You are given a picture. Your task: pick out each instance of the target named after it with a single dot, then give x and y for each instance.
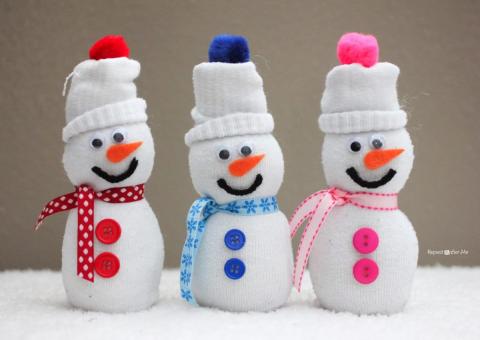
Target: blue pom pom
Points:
(226, 48)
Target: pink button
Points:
(365, 240)
(365, 271)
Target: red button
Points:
(365, 240)
(108, 231)
(365, 271)
(107, 264)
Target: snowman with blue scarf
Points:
(237, 254)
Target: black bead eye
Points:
(246, 150)
(224, 154)
(96, 143)
(355, 146)
(118, 136)
(377, 141)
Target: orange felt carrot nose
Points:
(378, 158)
(117, 153)
(241, 166)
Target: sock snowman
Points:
(361, 250)
(237, 255)
(112, 254)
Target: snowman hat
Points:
(102, 92)
(361, 94)
(229, 97)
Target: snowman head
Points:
(107, 141)
(377, 161)
(116, 156)
(239, 167)
(366, 146)
(232, 152)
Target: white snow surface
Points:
(445, 304)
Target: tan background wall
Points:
(436, 44)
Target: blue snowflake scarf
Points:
(198, 215)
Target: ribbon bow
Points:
(316, 208)
(198, 215)
(84, 198)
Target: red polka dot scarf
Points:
(84, 198)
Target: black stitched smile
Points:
(117, 178)
(370, 184)
(240, 192)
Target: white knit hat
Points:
(102, 92)
(229, 97)
(361, 94)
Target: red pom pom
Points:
(111, 46)
(357, 48)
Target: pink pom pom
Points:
(357, 48)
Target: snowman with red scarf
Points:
(361, 250)
(112, 254)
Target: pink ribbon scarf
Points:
(316, 209)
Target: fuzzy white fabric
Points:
(229, 101)
(206, 167)
(333, 257)
(97, 83)
(231, 125)
(223, 88)
(126, 112)
(358, 98)
(140, 251)
(267, 253)
(337, 158)
(444, 305)
(79, 156)
(359, 121)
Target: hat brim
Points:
(362, 121)
(120, 113)
(236, 124)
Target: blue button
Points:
(234, 239)
(234, 269)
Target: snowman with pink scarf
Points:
(360, 249)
